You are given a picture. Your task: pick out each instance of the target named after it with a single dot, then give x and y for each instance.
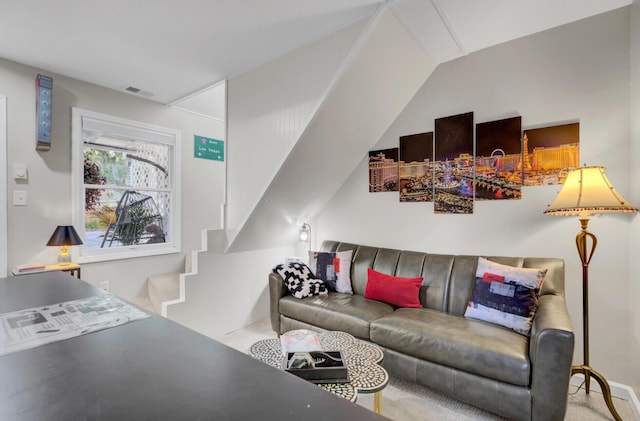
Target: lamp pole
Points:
(586, 253)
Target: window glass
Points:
(126, 199)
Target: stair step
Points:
(163, 287)
(144, 303)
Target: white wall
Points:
(383, 72)
(578, 71)
(3, 185)
(634, 194)
(49, 184)
(268, 108)
(229, 291)
(269, 112)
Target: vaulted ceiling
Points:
(170, 49)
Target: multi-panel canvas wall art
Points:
(498, 162)
(416, 168)
(453, 164)
(383, 170)
(550, 153)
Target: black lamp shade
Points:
(64, 235)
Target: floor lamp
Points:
(587, 191)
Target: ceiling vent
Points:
(138, 91)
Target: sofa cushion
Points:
(402, 292)
(334, 268)
(468, 345)
(505, 295)
(336, 311)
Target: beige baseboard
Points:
(618, 390)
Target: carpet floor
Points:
(405, 401)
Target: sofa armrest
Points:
(277, 290)
(551, 353)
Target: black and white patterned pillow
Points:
(300, 280)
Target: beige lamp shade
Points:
(587, 191)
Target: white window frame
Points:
(135, 130)
(3, 185)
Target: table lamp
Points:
(63, 237)
(587, 191)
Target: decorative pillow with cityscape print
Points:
(333, 268)
(505, 295)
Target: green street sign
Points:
(207, 148)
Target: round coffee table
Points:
(361, 358)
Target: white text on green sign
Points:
(208, 148)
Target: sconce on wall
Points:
(305, 233)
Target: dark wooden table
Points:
(151, 369)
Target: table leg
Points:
(377, 402)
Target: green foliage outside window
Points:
(113, 165)
(92, 175)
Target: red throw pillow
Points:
(401, 292)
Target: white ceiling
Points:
(173, 49)
(449, 29)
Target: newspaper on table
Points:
(29, 328)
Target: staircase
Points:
(162, 287)
(379, 74)
(144, 303)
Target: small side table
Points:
(72, 268)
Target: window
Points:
(124, 184)
(3, 185)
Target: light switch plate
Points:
(19, 198)
(19, 172)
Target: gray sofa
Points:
(524, 378)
